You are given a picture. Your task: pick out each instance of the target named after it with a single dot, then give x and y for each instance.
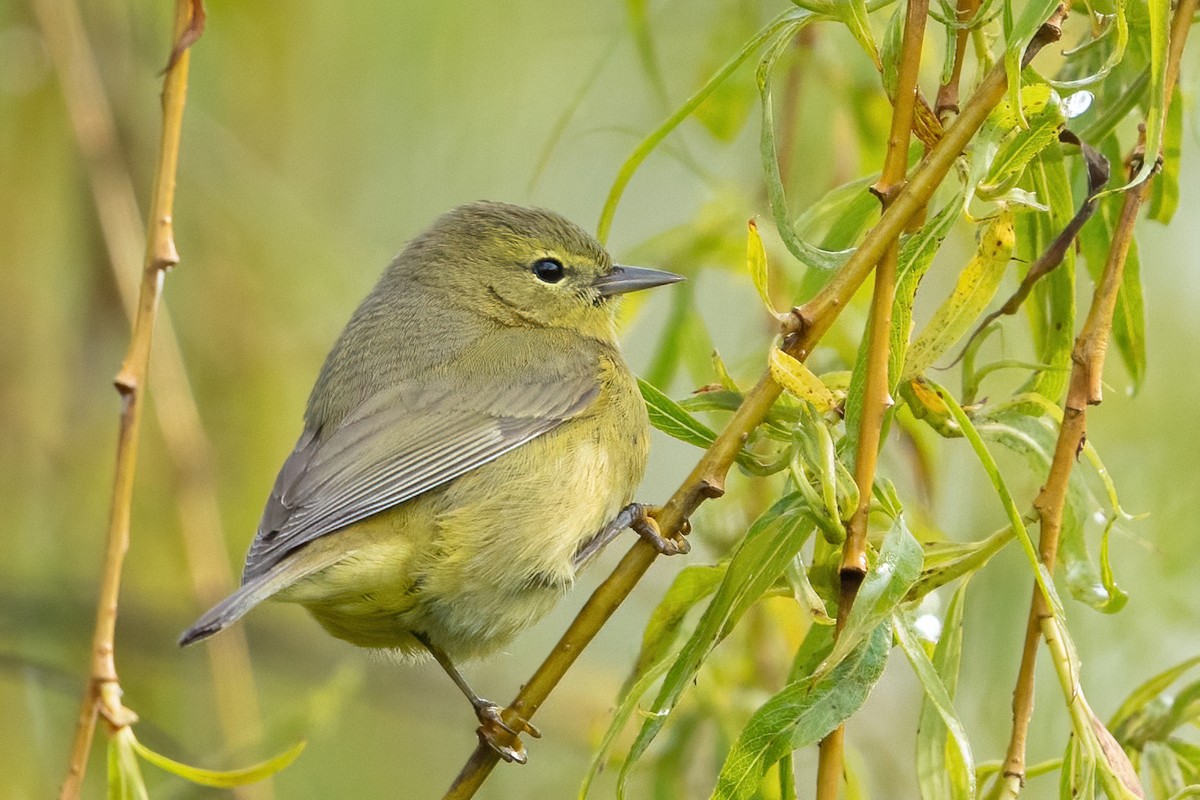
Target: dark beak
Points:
(633, 279)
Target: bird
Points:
(469, 436)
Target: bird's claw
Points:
(646, 526)
(502, 737)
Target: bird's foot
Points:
(502, 737)
(646, 526)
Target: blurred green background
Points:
(320, 137)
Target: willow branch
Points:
(102, 694)
(807, 325)
(876, 393)
(176, 413)
(1087, 360)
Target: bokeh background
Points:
(319, 137)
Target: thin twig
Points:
(807, 325)
(176, 412)
(1087, 359)
(102, 693)
(876, 393)
(947, 97)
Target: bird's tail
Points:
(254, 591)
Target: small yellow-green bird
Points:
(471, 433)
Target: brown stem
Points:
(808, 323)
(101, 695)
(947, 97)
(176, 413)
(1087, 359)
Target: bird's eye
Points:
(548, 270)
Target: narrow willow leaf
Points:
(976, 287)
(647, 145)
(1018, 33)
(1162, 767)
(853, 14)
(1159, 30)
(1045, 118)
(693, 584)
(221, 779)
(627, 704)
(808, 254)
(1164, 192)
(916, 256)
(761, 557)
(756, 262)
(1056, 291)
(1118, 596)
(803, 713)
(125, 780)
(806, 596)
(1045, 581)
(1118, 30)
(888, 580)
(798, 379)
(949, 561)
(945, 766)
(1029, 431)
(670, 418)
(1145, 694)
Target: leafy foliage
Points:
(1026, 190)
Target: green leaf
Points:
(670, 418)
(1045, 581)
(803, 713)
(691, 585)
(221, 779)
(889, 579)
(647, 145)
(949, 561)
(1159, 19)
(694, 583)
(916, 256)
(1164, 192)
(1056, 292)
(808, 254)
(945, 766)
(1045, 118)
(759, 560)
(125, 780)
(1145, 694)
(1030, 430)
(977, 285)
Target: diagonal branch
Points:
(102, 694)
(806, 327)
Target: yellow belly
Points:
(472, 563)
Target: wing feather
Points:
(398, 444)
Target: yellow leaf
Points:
(800, 381)
(756, 260)
(977, 285)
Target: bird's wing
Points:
(396, 445)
